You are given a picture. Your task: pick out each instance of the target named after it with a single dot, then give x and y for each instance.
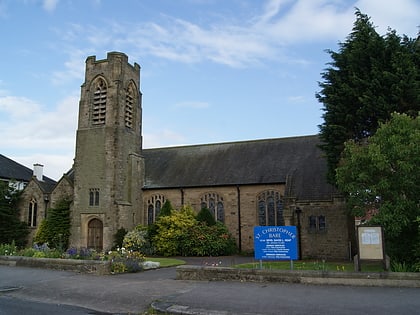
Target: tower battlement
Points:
(113, 57)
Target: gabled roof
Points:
(12, 170)
(46, 186)
(296, 161)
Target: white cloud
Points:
(248, 42)
(399, 16)
(296, 99)
(162, 138)
(28, 126)
(55, 165)
(49, 5)
(73, 68)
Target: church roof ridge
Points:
(231, 142)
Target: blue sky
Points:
(211, 70)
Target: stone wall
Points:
(33, 192)
(83, 266)
(382, 279)
(241, 215)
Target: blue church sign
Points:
(275, 243)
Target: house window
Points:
(215, 204)
(322, 225)
(99, 102)
(317, 223)
(312, 222)
(94, 197)
(154, 204)
(33, 209)
(270, 208)
(129, 102)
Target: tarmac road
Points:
(134, 293)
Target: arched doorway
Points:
(95, 234)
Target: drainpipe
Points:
(239, 219)
(298, 213)
(182, 196)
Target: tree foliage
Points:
(170, 230)
(204, 215)
(369, 78)
(11, 228)
(382, 174)
(181, 233)
(55, 229)
(166, 209)
(207, 240)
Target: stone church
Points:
(115, 183)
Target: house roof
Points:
(12, 170)
(297, 162)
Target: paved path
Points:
(134, 293)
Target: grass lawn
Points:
(166, 262)
(312, 265)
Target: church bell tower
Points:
(108, 167)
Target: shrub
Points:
(125, 261)
(166, 209)
(55, 229)
(204, 240)
(119, 238)
(8, 249)
(82, 253)
(204, 215)
(135, 240)
(171, 229)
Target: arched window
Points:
(270, 208)
(214, 203)
(154, 204)
(129, 106)
(99, 102)
(32, 213)
(94, 197)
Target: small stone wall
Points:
(83, 266)
(391, 279)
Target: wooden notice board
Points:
(370, 241)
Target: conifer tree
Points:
(369, 78)
(11, 228)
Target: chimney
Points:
(38, 170)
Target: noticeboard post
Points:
(371, 244)
(275, 243)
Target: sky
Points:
(211, 70)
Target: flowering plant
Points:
(123, 260)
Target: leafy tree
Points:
(382, 174)
(369, 78)
(204, 215)
(11, 228)
(55, 229)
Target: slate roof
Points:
(12, 170)
(296, 162)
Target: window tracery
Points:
(270, 208)
(215, 204)
(154, 204)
